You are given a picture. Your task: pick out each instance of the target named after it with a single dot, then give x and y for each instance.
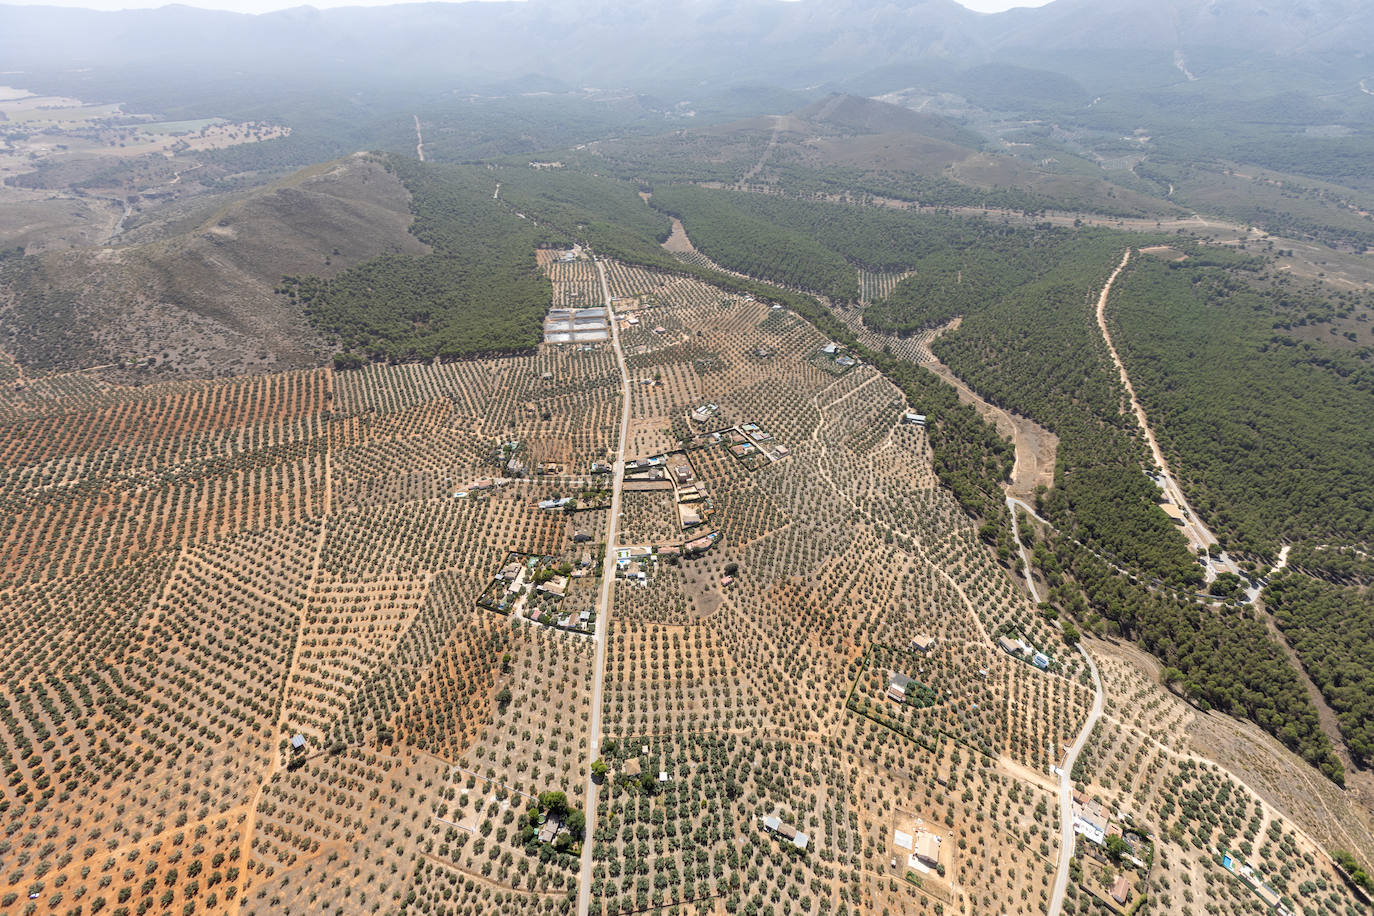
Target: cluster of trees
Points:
(1269, 435)
(479, 291)
(1352, 867)
(595, 208)
(1217, 660)
(1037, 352)
(931, 190)
(554, 805)
(817, 246)
(963, 264)
(1342, 564)
(734, 234)
(1332, 630)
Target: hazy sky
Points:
(263, 6)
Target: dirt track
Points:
(1199, 537)
(1036, 446)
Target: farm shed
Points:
(928, 848)
(1011, 646)
(786, 831)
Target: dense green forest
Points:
(1269, 435)
(1222, 659)
(817, 246)
(1350, 565)
(1036, 351)
(479, 292)
(1332, 630)
(725, 227)
(966, 264)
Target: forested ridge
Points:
(1037, 351)
(731, 229)
(1270, 436)
(1332, 630)
(605, 213)
(479, 292)
(1029, 343)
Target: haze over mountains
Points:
(710, 42)
(625, 456)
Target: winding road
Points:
(1066, 838)
(1012, 504)
(603, 609)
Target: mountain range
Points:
(577, 43)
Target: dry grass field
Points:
(200, 300)
(197, 576)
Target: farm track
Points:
(584, 880)
(1012, 504)
(1036, 447)
(969, 605)
(767, 151)
(274, 764)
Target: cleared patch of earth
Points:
(678, 242)
(1036, 446)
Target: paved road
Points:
(603, 610)
(1012, 504)
(1066, 837)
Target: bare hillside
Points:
(202, 302)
